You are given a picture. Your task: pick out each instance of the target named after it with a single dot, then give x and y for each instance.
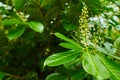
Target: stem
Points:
(15, 76)
(40, 10)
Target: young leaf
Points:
(70, 46)
(61, 58)
(55, 76)
(36, 26)
(61, 36)
(15, 33)
(113, 68)
(93, 66)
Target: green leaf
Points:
(94, 6)
(93, 66)
(15, 32)
(69, 27)
(103, 50)
(78, 75)
(45, 2)
(31, 75)
(70, 46)
(36, 26)
(18, 4)
(12, 21)
(109, 49)
(61, 36)
(113, 67)
(2, 9)
(55, 76)
(61, 58)
(72, 65)
(2, 75)
(117, 43)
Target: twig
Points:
(15, 76)
(40, 10)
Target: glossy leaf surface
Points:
(61, 58)
(15, 33)
(11, 22)
(55, 76)
(93, 66)
(70, 46)
(79, 74)
(113, 68)
(36, 26)
(61, 36)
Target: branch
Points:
(15, 76)
(40, 10)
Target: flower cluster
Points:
(82, 33)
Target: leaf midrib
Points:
(108, 67)
(93, 62)
(63, 57)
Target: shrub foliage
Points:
(59, 40)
